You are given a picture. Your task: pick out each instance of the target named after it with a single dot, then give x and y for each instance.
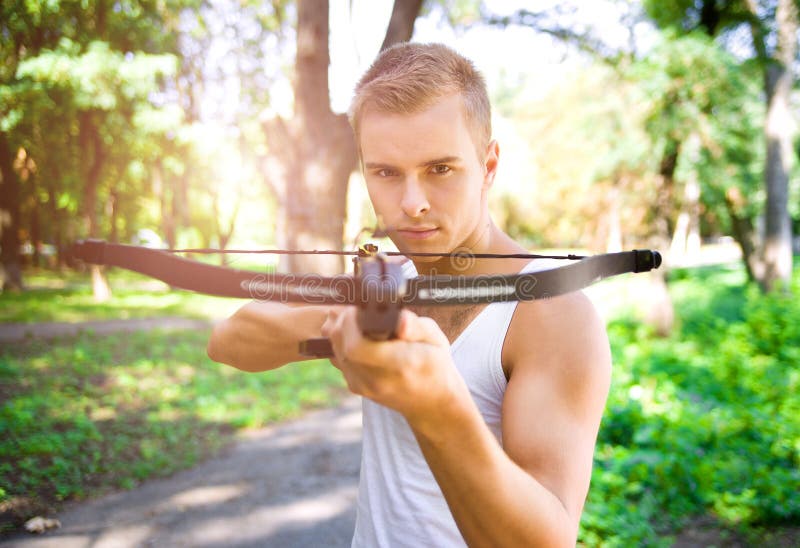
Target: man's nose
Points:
(414, 202)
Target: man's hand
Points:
(412, 374)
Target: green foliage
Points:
(458, 13)
(703, 100)
(667, 14)
(591, 155)
(99, 77)
(602, 141)
(91, 414)
(691, 15)
(75, 78)
(599, 155)
(704, 421)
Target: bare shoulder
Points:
(565, 333)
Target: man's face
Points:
(425, 178)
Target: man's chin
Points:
(419, 246)
(423, 259)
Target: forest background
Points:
(669, 125)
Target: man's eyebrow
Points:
(376, 165)
(442, 160)
(426, 163)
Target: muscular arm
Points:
(531, 492)
(264, 335)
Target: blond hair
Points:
(408, 78)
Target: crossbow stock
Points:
(378, 286)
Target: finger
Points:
(349, 341)
(348, 326)
(344, 333)
(330, 322)
(413, 328)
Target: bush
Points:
(705, 421)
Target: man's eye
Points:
(440, 169)
(384, 173)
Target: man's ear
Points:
(491, 160)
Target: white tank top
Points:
(399, 502)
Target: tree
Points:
(773, 28)
(312, 155)
(779, 131)
(10, 267)
(621, 169)
(86, 69)
(124, 87)
(232, 54)
(106, 91)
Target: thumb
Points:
(330, 322)
(413, 328)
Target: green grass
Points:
(83, 416)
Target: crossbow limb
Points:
(378, 287)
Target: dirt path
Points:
(291, 485)
(10, 332)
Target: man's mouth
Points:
(417, 233)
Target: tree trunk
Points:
(10, 266)
(313, 154)
(779, 134)
(744, 233)
(166, 204)
(224, 234)
(660, 313)
(614, 221)
(113, 203)
(685, 245)
(93, 157)
(36, 231)
(55, 228)
(323, 154)
(401, 24)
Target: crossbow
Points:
(378, 286)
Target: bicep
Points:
(555, 398)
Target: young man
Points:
(479, 421)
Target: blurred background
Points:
(221, 124)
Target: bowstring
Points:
(379, 231)
(210, 251)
